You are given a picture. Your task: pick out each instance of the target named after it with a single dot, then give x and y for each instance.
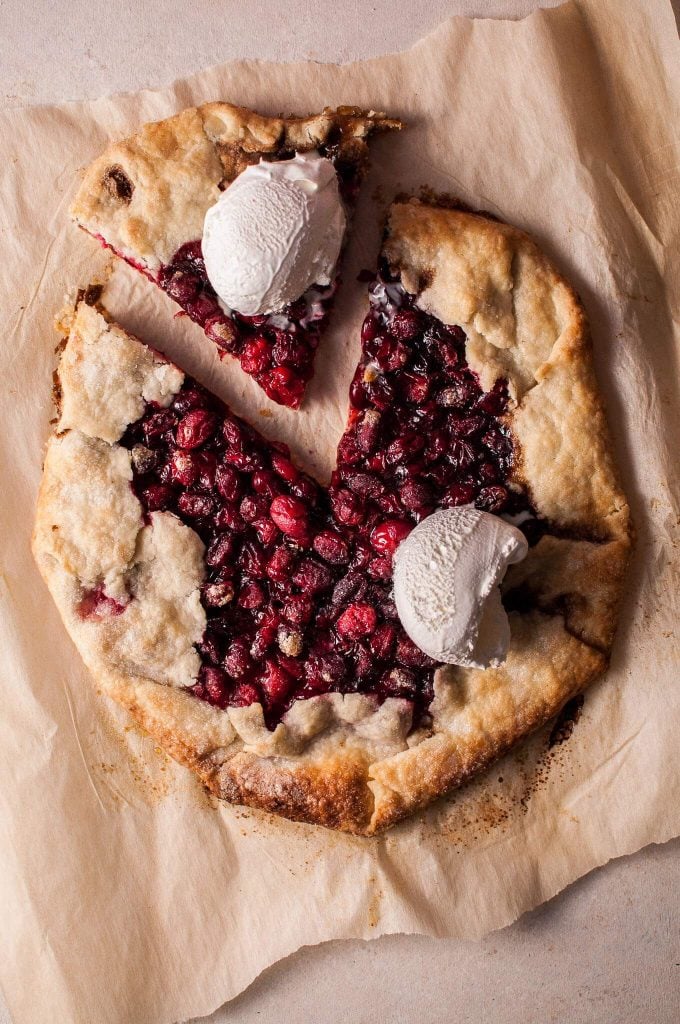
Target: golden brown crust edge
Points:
(147, 195)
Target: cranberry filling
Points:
(278, 349)
(299, 578)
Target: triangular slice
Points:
(147, 196)
(245, 615)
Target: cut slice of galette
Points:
(274, 240)
(245, 615)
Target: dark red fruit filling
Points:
(278, 349)
(299, 578)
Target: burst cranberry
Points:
(252, 596)
(252, 507)
(361, 555)
(190, 398)
(228, 517)
(289, 352)
(380, 568)
(215, 682)
(243, 695)
(492, 499)
(283, 385)
(463, 455)
(347, 507)
(298, 609)
(415, 496)
(415, 388)
(356, 621)
(264, 638)
(220, 550)
(242, 460)
(411, 655)
(331, 547)
(157, 425)
(311, 576)
(458, 494)
(252, 560)
(459, 394)
(368, 430)
(324, 669)
(256, 355)
(156, 497)
(291, 516)
(237, 660)
(402, 448)
(390, 355)
(405, 324)
(228, 482)
(276, 684)
(209, 649)
(280, 565)
(234, 435)
(382, 641)
(195, 505)
(195, 428)
(399, 682)
(348, 451)
(206, 464)
(467, 426)
(387, 536)
(266, 531)
(265, 482)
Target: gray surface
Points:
(608, 948)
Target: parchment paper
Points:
(129, 896)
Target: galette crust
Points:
(148, 194)
(342, 760)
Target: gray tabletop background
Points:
(605, 950)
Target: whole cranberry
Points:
(256, 355)
(387, 536)
(291, 516)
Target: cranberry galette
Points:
(147, 198)
(245, 615)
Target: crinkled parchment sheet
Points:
(127, 894)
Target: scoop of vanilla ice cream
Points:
(446, 577)
(274, 232)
